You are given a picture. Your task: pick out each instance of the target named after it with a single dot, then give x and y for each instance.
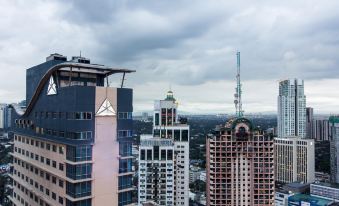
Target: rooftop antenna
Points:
(237, 96)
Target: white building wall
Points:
(294, 160)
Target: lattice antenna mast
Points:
(237, 95)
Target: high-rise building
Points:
(239, 165)
(167, 125)
(291, 108)
(294, 148)
(320, 129)
(2, 116)
(72, 144)
(334, 148)
(156, 171)
(294, 160)
(309, 122)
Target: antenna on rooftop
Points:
(237, 96)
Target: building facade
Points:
(308, 200)
(325, 190)
(291, 108)
(320, 129)
(294, 160)
(239, 165)
(167, 125)
(2, 116)
(334, 148)
(281, 198)
(309, 122)
(72, 144)
(156, 171)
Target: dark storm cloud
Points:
(185, 43)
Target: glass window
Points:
(177, 135)
(156, 119)
(156, 152)
(184, 136)
(169, 155)
(163, 154)
(81, 171)
(79, 189)
(149, 154)
(142, 154)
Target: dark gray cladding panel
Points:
(125, 100)
(68, 99)
(35, 74)
(125, 104)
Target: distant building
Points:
(2, 116)
(194, 174)
(334, 142)
(239, 165)
(145, 116)
(320, 129)
(202, 176)
(281, 198)
(294, 160)
(309, 122)
(308, 200)
(291, 108)
(325, 190)
(322, 177)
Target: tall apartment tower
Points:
(294, 148)
(72, 145)
(291, 108)
(167, 126)
(334, 148)
(239, 168)
(156, 171)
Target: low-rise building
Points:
(325, 190)
(308, 200)
(281, 198)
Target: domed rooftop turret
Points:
(170, 96)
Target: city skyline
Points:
(190, 48)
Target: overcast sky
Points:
(189, 46)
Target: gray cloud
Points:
(183, 43)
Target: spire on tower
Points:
(237, 95)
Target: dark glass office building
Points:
(73, 142)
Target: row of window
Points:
(125, 115)
(42, 159)
(29, 194)
(74, 115)
(34, 170)
(40, 144)
(155, 154)
(83, 135)
(125, 133)
(177, 135)
(64, 115)
(45, 175)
